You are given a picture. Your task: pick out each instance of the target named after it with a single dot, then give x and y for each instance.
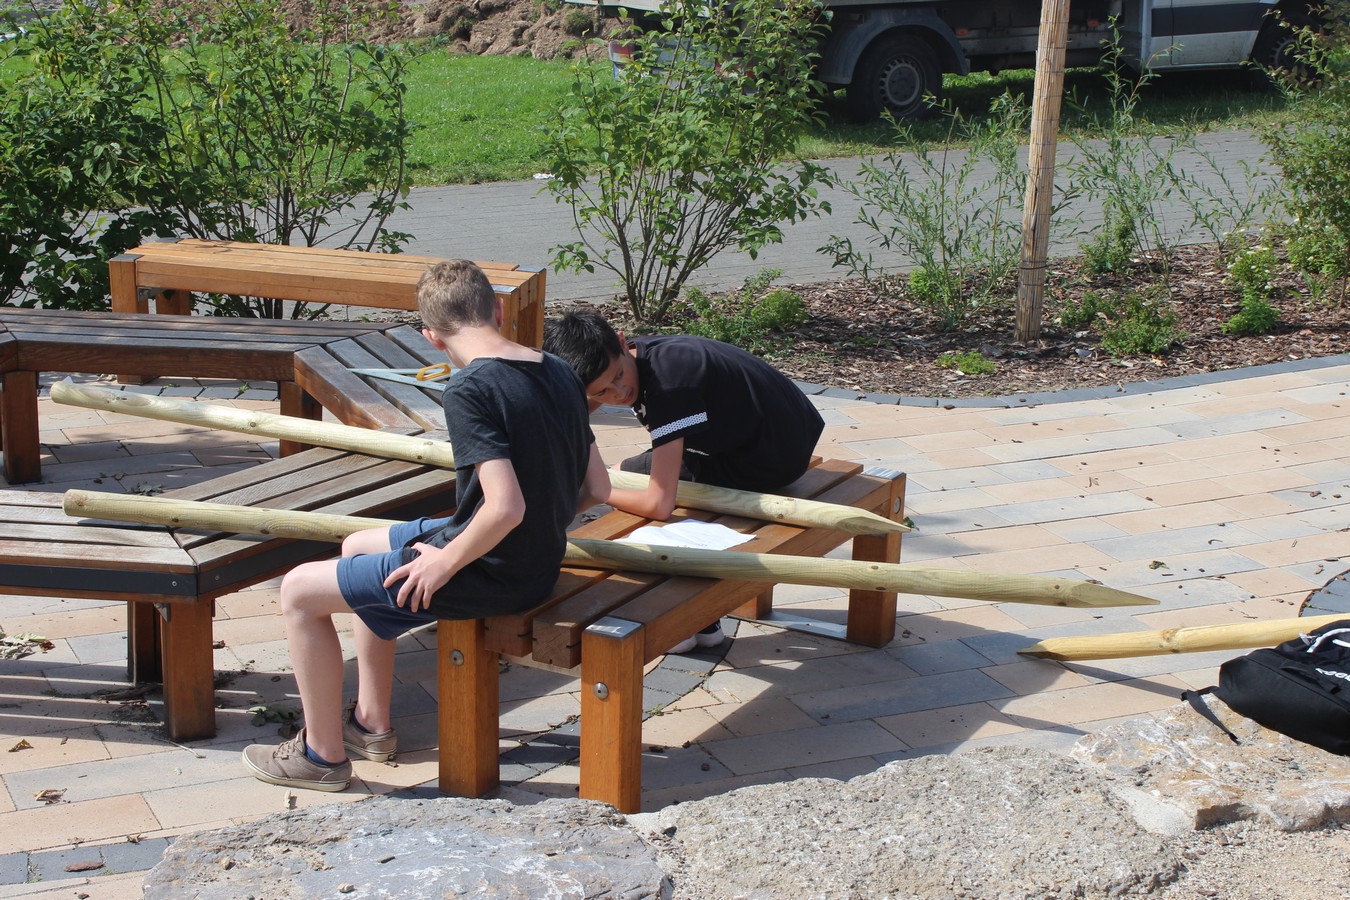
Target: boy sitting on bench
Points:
(717, 414)
(525, 462)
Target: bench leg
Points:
(19, 427)
(297, 403)
(757, 608)
(189, 671)
(611, 713)
(468, 687)
(871, 614)
(144, 662)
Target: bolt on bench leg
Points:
(469, 691)
(611, 713)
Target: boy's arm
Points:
(595, 487)
(503, 509)
(658, 500)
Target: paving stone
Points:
(825, 743)
(50, 865)
(1039, 512)
(934, 659)
(1235, 424)
(13, 868)
(138, 857)
(853, 702)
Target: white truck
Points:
(890, 56)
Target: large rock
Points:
(987, 824)
(1128, 813)
(1185, 763)
(416, 849)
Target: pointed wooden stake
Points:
(769, 568)
(1194, 639)
(767, 507)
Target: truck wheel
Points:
(1275, 48)
(899, 74)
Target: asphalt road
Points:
(519, 222)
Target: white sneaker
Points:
(685, 645)
(701, 639)
(711, 638)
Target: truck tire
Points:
(897, 73)
(1276, 46)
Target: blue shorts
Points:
(361, 580)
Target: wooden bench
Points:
(309, 361)
(608, 626)
(170, 577)
(170, 272)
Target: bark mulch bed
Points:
(861, 339)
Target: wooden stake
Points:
(1047, 98)
(768, 568)
(1194, 639)
(768, 507)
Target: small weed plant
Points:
(1139, 324)
(1130, 177)
(1252, 272)
(748, 317)
(1082, 315)
(967, 362)
(954, 214)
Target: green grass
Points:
(480, 117)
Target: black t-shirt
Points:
(534, 414)
(744, 423)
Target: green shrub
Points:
(1311, 146)
(952, 211)
(1140, 325)
(1081, 314)
(1112, 248)
(216, 121)
(746, 317)
(1257, 316)
(967, 362)
(577, 21)
(679, 159)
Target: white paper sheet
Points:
(688, 533)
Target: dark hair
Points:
(454, 293)
(584, 340)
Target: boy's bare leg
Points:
(310, 597)
(375, 678)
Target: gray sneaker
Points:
(376, 747)
(287, 765)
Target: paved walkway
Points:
(1224, 498)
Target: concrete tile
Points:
(764, 715)
(682, 727)
(1072, 706)
(938, 657)
(836, 770)
(44, 827)
(949, 725)
(1035, 675)
(824, 743)
(854, 702)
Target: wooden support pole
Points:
(768, 507)
(1047, 98)
(611, 714)
(1194, 639)
(468, 688)
(766, 568)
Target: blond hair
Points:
(455, 293)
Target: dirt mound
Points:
(543, 29)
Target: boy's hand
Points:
(423, 577)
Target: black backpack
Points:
(1300, 688)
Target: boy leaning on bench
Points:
(526, 462)
(717, 415)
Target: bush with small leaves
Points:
(1140, 325)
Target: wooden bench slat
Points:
(52, 553)
(347, 395)
(410, 399)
